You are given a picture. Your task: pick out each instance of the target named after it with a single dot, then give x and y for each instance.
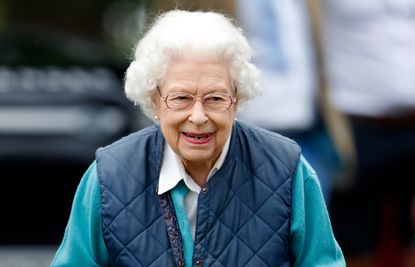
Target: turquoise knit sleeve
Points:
(313, 242)
(83, 243)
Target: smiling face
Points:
(196, 135)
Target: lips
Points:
(197, 138)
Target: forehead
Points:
(186, 74)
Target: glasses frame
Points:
(232, 98)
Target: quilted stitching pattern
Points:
(133, 200)
(241, 234)
(243, 219)
(250, 213)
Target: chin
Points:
(197, 157)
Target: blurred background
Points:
(61, 97)
(337, 78)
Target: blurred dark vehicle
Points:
(60, 99)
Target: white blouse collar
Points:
(172, 170)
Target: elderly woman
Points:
(198, 188)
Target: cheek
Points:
(225, 127)
(170, 126)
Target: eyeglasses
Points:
(212, 102)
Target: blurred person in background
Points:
(369, 56)
(289, 104)
(198, 188)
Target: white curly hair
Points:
(202, 35)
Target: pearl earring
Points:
(235, 119)
(156, 118)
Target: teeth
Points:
(197, 137)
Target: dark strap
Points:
(172, 228)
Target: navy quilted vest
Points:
(243, 217)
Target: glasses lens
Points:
(179, 101)
(217, 102)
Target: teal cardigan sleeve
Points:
(313, 242)
(83, 243)
(312, 239)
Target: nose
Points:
(197, 114)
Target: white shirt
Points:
(172, 172)
(370, 55)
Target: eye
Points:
(180, 98)
(215, 99)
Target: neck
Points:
(198, 171)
